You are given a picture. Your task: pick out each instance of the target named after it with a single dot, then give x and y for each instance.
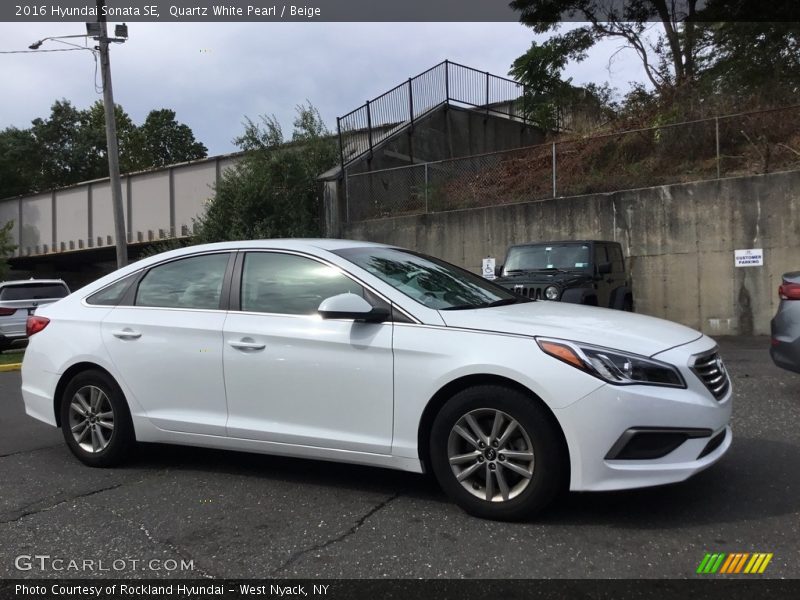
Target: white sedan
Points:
(371, 354)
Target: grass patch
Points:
(11, 356)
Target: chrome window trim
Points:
(415, 320)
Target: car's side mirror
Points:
(352, 306)
(604, 268)
(498, 270)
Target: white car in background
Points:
(371, 354)
(20, 298)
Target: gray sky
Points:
(215, 74)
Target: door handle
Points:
(126, 334)
(246, 344)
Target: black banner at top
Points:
(174, 11)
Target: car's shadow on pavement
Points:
(756, 479)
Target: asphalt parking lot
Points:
(241, 516)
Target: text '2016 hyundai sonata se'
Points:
(371, 354)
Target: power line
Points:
(53, 50)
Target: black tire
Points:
(122, 438)
(550, 463)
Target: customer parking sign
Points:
(752, 257)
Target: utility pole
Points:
(120, 234)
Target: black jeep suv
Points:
(583, 272)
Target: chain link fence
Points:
(741, 144)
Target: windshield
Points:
(547, 256)
(430, 281)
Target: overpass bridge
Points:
(72, 228)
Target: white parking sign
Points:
(752, 257)
(488, 268)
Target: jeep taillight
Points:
(35, 324)
(789, 291)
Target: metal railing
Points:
(367, 126)
(722, 146)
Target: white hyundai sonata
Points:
(372, 354)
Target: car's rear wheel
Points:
(95, 420)
(497, 453)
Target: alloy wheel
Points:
(91, 419)
(491, 455)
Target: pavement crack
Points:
(31, 451)
(28, 513)
(352, 531)
(153, 540)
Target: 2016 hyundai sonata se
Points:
(371, 354)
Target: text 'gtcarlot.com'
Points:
(45, 562)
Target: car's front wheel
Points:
(95, 420)
(497, 453)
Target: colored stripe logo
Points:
(734, 563)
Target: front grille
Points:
(712, 372)
(529, 291)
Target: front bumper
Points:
(594, 425)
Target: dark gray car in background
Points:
(785, 348)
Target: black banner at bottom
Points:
(400, 589)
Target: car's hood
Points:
(599, 326)
(556, 277)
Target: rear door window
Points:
(194, 282)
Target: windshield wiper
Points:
(502, 302)
(505, 301)
(463, 306)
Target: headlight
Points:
(551, 292)
(612, 366)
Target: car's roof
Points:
(31, 281)
(285, 244)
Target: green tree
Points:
(92, 138)
(668, 59)
(164, 141)
(759, 60)
(6, 247)
(272, 191)
(685, 46)
(69, 146)
(546, 91)
(19, 162)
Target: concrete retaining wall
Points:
(679, 241)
